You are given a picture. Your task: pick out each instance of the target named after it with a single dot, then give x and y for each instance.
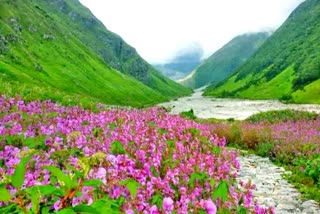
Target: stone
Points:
(48, 36)
(272, 189)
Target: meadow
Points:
(289, 138)
(67, 159)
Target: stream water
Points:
(220, 108)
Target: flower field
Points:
(70, 160)
(289, 138)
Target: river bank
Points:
(220, 108)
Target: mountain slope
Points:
(226, 60)
(59, 47)
(287, 66)
(183, 63)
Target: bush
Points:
(282, 116)
(188, 114)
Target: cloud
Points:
(159, 28)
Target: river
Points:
(221, 108)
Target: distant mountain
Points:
(185, 61)
(287, 66)
(59, 46)
(226, 60)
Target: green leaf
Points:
(75, 171)
(106, 206)
(202, 211)
(154, 171)
(117, 148)
(94, 183)
(193, 179)
(157, 200)
(9, 209)
(20, 172)
(4, 195)
(132, 186)
(31, 143)
(241, 210)
(35, 199)
(212, 183)
(196, 176)
(45, 210)
(67, 211)
(60, 175)
(85, 209)
(221, 191)
(112, 126)
(216, 150)
(50, 190)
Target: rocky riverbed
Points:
(206, 107)
(272, 189)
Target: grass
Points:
(276, 88)
(310, 93)
(188, 114)
(260, 88)
(230, 85)
(282, 116)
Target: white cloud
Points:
(159, 28)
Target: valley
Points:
(87, 125)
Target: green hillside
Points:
(226, 60)
(57, 49)
(287, 66)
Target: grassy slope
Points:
(111, 47)
(275, 88)
(61, 65)
(225, 61)
(310, 93)
(294, 46)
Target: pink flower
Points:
(129, 211)
(154, 210)
(167, 204)
(210, 207)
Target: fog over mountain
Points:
(183, 63)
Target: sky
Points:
(159, 29)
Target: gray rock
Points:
(15, 25)
(272, 189)
(48, 36)
(3, 44)
(310, 207)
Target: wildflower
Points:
(167, 204)
(210, 207)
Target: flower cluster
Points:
(154, 162)
(300, 139)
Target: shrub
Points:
(282, 116)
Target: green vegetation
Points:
(282, 116)
(59, 47)
(225, 61)
(188, 114)
(286, 66)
